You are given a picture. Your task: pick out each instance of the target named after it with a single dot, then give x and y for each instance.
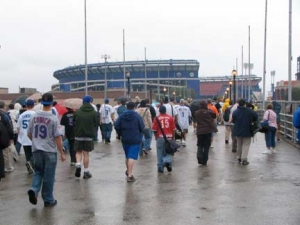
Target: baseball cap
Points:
(30, 102)
(87, 99)
(106, 101)
(47, 99)
(162, 109)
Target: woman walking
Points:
(270, 135)
(205, 126)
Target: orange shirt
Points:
(213, 108)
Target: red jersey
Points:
(167, 124)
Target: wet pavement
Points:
(267, 191)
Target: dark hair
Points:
(143, 103)
(166, 99)
(162, 109)
(11, 106)
(130, 105)
(242, 102)
(270, 106)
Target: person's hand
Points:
(63, 157)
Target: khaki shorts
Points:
(87, 146)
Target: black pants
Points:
(72, 150)
(203, 143)
(28, 153)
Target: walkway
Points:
(267, 191)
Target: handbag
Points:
(171, 146)
(265, 125)
(146, 131)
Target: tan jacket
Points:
(145, 116)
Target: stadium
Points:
(163, 77)
(178, 78)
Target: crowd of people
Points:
(135, 123)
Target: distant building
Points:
(163, 77)
(211, 87)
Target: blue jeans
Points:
(106, 131)
(270, 137)
(162, 158)
(147, 142)
(18, 147)
(44, 174)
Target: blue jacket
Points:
(129, 127)
(241, 118)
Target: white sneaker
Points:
(183, 143)
(9, 169)
(267, 152)
(273, 151)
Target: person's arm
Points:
(59, 145)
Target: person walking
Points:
(67, 120)
(23, 139)
(166, 123)
(106, 120)
(228, 125)
(86, 121)
(184, 113)
(270, 135)
(129, 127)
(145, 114)
(153, 115)
(44, 132)
(242, 117)
(205, 125)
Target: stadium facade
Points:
(163, 77)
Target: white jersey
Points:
(106, 112)
(183, 116)
(22, 126)
(171, 110)
(116, 110)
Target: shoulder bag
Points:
(265, 125)
(254, 125)
(170, 145)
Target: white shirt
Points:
(105, 113)
(116, 110)
(183, 116)
(171, 110)
(22, 126)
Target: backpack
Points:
(227, 114)
(296, 119)
(4, 136)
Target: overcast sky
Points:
(38, 37)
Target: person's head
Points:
(203, 104)
(29, 103)
(130, 105)
(87, 99)
(270, 106)
(123, 102)
(209, 101)
(162, 109)
(250, 105)
(24, 105)
(98, 106)
(171, 99)
(242, 102)
(106, 101)
(2, 104)
(166, 100)
(137, 99)
(147, 100)
(143, 104)
(47, 100)
(54, 103)
(181, 102)
(11, 106)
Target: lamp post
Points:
(234, 73)
(105, 78)
(128, 83)
(229, 94)
(230, 85)
(225, 93)
(85, 51)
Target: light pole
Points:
(229, 93)
(128, 83)
(225, 93)
(105, 78)
(230, 85)
(174, 95)
(234, 73)
(85, 51)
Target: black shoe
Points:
(87, 175)
(226, 142)
(233, 150)
(126, 173)
(239, 160)
(130, 179)
(107, 141)
(245, 162)
(78, 171)
(169, 167)
(47, 204)
(199, 161)
(32, 197)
